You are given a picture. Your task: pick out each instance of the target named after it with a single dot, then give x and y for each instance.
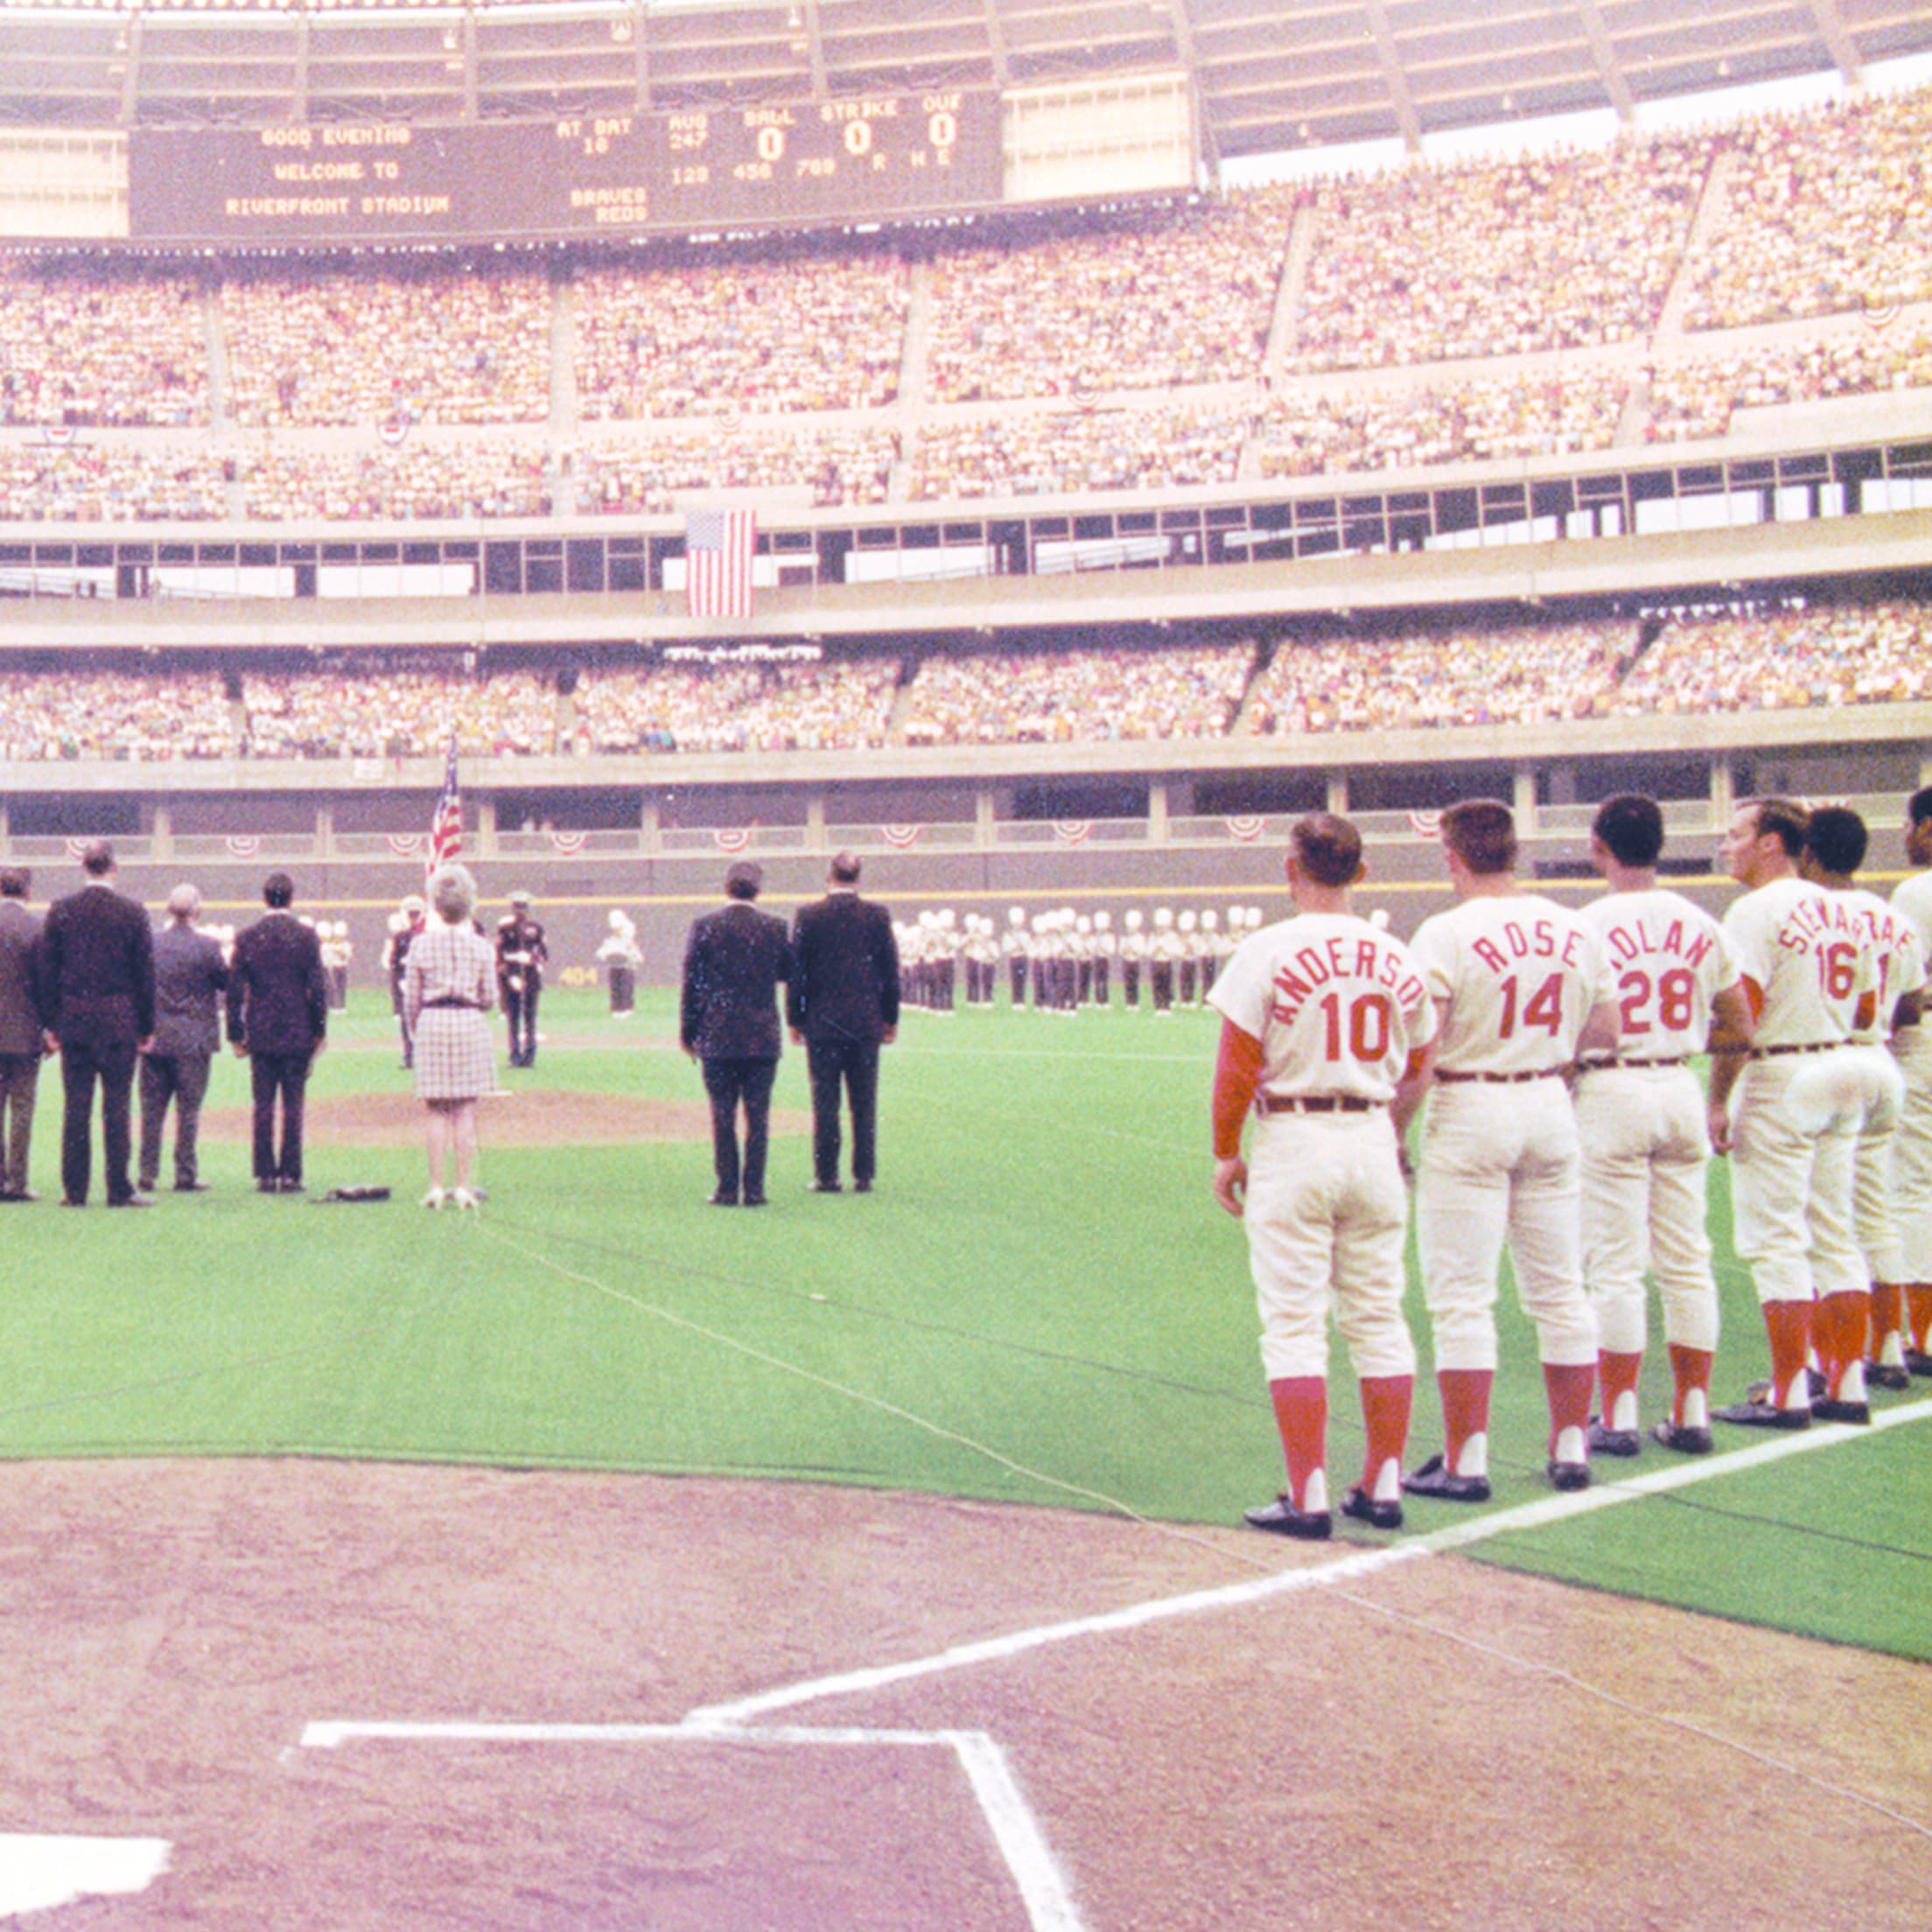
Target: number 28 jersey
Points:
(1670, 959)
(1337, 1004)
(1517, 975)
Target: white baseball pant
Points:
(1791, 1161)
(1645, 1150)
(1501, 1161)
(1326, 1214)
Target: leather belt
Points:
(1806, 1047)
(1606, 1065)
(1315, 1103)
(1451, 1076)
(468, 1004)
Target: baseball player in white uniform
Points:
(1912, 1152)
(1521, 983)
(1325, 1021)
(1807, 967)
(1835, 843)
(1641, 1117)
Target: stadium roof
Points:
(1272, 74)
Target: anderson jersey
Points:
(1808, 953)
(1337, 1004)
(1670, 959)
(1899, 961)
(1518, 975)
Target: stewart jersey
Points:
(1339, 1006)
(1670, 959)
(1807, 952)
(1517, 975)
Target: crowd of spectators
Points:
(1069, 451)
(99, 343)
(434, 342)
(1698, 397)
(1698, 661)
(833, 704)
(1830, 211)
(1486, 258)
(1577, 407)
(1455, 676)
(818, 331)
(836, 463)
(1124, 302)
(110, 483)
(417, 479)
(1784, 660)
(113, 714)
(1048, 697)
(398, 714)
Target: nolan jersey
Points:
(1337, 1004)
(1669, 958)
(1807, 952)
(1517, 976)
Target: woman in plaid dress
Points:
(449, 983)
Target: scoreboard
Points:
(580, 177)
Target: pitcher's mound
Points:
(533, 1118)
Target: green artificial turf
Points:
(1040, 1304)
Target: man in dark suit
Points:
(23, 1031)
(278, 1021)
(842, 1002)
(96, 980)
(734, 961)
(189, 974)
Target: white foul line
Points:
(1016, 1830)
(1529, 1516)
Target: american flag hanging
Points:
(446, 826)
(718, 561)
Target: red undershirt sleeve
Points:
(1237, 1073)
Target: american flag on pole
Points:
(446, 826)
(718, 561)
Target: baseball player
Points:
(1522, 984)
(1326, 1023)
(1835, 843)
(1641, 1120)
(1807, 967)
(1912, 1154)
(1106, 948)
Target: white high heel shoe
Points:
(434, 1197)
(464, 1198)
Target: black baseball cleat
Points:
(1435, 1479)
(1363, 1508)
(1815, 1387)
(1829, 1409)
(1762, 1415)
(1888, 1375)
(1605, 1441)
(1686, 1441)
(1917, 1362)
(1569, 1475)
(1281, 1518)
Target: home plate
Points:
(39, 1872)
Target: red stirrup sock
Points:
(1617, 1388)
(1386, 1402)
(1301, 1414)
(1690, 1369)
(1787, 1327)
(1465, 1418)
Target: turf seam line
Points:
(937, 1430)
